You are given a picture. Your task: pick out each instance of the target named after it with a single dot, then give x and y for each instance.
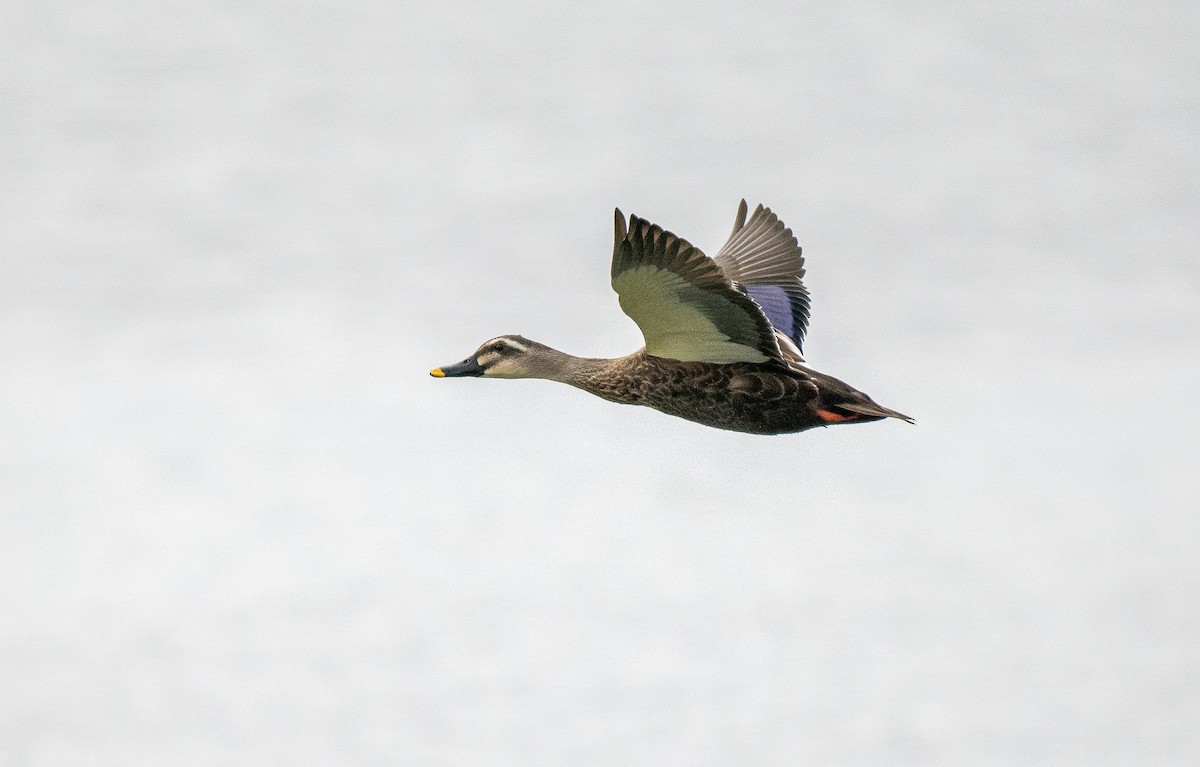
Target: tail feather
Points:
(873, 410)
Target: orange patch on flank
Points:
(828, 416)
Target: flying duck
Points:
(723, 335)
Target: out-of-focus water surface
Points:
(239, 524)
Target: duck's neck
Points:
(587, 373)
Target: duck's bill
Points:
(468, 367)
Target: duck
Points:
(723, 335)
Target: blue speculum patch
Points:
(775, 304)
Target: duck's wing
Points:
(764, 259)
(687, 308)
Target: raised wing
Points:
(763, 257)
(685, 305)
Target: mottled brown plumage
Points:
(719, 352)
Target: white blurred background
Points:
(239, 524)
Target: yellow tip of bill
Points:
(437, 373)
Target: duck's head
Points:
(503, 357)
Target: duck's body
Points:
(738, 396)
(719, 351)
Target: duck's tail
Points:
(872, 410)
(839, 402)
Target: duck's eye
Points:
(497, 348)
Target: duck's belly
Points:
(779, 417)
(747, 401)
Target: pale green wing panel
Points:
(684, 304)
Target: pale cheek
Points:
(505, 368)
